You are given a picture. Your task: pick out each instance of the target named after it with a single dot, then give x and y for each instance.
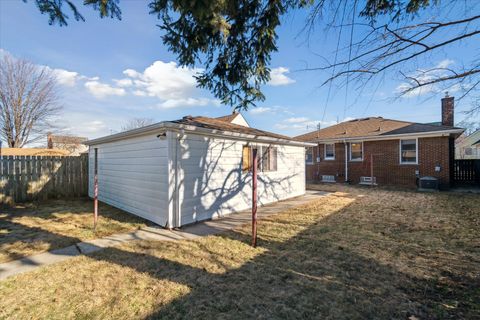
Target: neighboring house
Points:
(179, 172)
(32, 152)
(74, 145)
(468, 147)
(401, 151)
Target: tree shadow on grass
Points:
(37, 227)
(307, 276)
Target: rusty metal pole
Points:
(371, 170)
(254, 198)
(95, 192)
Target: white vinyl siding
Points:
(182, 179)
(213, 184)
(132, 176)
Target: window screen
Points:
(309, 156)
(329, 151)
(356, 151)
(408, 151)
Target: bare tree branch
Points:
(137, 123)
(28, 101)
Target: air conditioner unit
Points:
(428, 184)
(326, 178)
(368, 181)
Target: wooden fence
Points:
(466, 171)
(27, 178)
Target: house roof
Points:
(33, 152)
(67, 139)
(206, 126)
(374, 127)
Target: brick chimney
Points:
(447, 110)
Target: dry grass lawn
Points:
(31, 229)
(357, 253)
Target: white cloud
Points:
(66, 78)
(188, 102)
(269, 110)
(260, 110)
(175, 86)
(278, 77)
(166, 81)
(296, 120)
(140, 93)
(102, 90)
(445, 63)
(123, 82)
(131, 73)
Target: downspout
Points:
(346, 160)
(176, 207)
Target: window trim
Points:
(325, 151)
(400, 152)
(306, 162)
(350, 151)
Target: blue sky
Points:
(111, 71)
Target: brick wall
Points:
(386, 163)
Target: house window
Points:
(408, 151)
(330, 151)
(267, 158)
(309, 156)
(356, 151)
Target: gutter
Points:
(175, 127)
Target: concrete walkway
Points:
(154, 234)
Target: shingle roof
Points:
(67, 139)
(33, 152)
(228, 118)
(222, 125)
(370, 127)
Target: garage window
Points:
(267, 158)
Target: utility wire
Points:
(335, 62)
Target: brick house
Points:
(387, 152)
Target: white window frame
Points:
(306, 151)
(350, 151)
(400, 151)
(325, 151)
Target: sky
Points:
(110, 71)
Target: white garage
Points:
(179, 172)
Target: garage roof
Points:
(205, 126)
